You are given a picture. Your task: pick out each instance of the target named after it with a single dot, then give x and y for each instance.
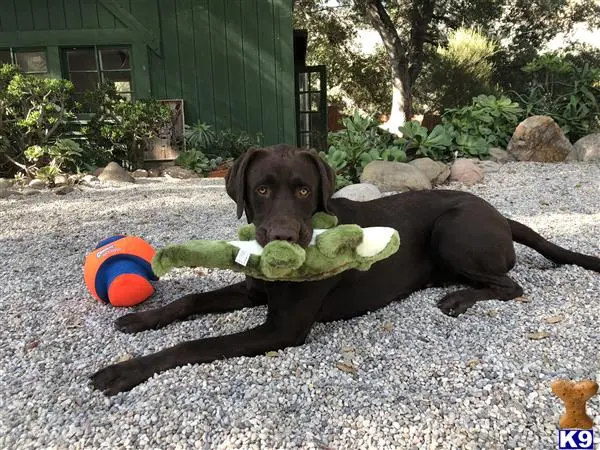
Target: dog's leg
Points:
(229, 298)
(456, 303)
(293, 308)
(475, 245)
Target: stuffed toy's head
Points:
(332, 249)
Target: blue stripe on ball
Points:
(118, 265)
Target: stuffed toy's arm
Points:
(217, 254)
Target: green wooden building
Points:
(232, 62)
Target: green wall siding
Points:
(29, 15)
(230, 60)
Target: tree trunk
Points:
(401, 99)
(406, 59)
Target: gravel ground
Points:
(423, 380)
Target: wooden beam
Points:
(76, 38)
(133, 24)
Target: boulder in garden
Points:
(391, 176)
(436, 171)
(466, 171)
(113, 172)
(539, 139)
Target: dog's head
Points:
(280, 188)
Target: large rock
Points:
(4, 192)
(361, 192)
(179, 172)
(390, 176)
(61, 180)
(437, 172)
(500, 155)
(90, 179)
(586, 149)
(115, 173)
(540, 139)
(466, 171)
(37, 184)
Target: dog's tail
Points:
(526, 236)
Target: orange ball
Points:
(119, 271)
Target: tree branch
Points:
(380, 20)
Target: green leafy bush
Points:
(198, 162)
(230, 144)
(416, 140)
(567, 92)
(33, 112)
(488, 117)
(47, 161)
(469, 131)
(198, 136)
(458, 70)
(122, 127)
(360, 142)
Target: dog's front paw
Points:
(454, 304)
(119, 377)
(139, 321)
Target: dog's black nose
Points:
(284, 235)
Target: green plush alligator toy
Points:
(333, 249)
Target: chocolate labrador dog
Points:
(446, 237)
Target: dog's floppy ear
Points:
(327, 175)
(235, 181)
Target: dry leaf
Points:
(472, 363)
(388, 326)
(538, 335)
(31, 345)
(347, 349)
(346, 368)
(554, 319)
(522, 299)
(272, 354)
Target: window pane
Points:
(315, 102)
(303, 81)
(115, 58)
(5, 57)
(32, 61)
(121, 80)
(304, 102)
(304, 122)
(315, 81)
(305, 140)
(81, 59)
(84, 81)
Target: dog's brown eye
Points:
(303, 192)
(262, 190)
